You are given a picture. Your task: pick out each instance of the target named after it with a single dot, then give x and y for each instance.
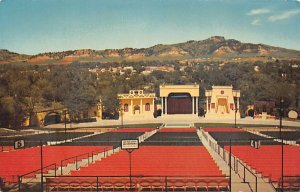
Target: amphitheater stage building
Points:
(137, 104)
(179, 99)
(222, 102)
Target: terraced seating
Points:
(237, 136)
(134, 130)
(212, 130)
(23, 161)
(287, 135)
(186, 168)
(174, 137)
(267, 161)
(141, 183)
(34, 140)
(178, 130)
(112, 138)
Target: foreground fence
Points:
(136, 183)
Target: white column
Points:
(141, 106)
(197, 106)
(162, 105)
(153, 106)
(207, 104)
(166, 105)
(193, 105)
(131, 104)
(238, 103)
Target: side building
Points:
(222, 102)
(137, 104)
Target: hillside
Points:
(7, 56)
(214, 47)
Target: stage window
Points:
(126, 107)
(147, 107)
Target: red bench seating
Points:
(223, 130)
(187, 167)
(138, 184)
(267, 160)
(23, 161)
(134, 130)
(178, 130)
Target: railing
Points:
(138, 183)
(32, 174)
(225, 155)
(6, 148)
(76, 158)
(100, 150)
(236, 169)
(290, 183)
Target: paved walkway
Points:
(178, 118)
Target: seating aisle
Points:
(183, 166)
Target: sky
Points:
(37, 26)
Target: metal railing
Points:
(225, 155)
(121, 183)
(32, 174)
(76, 159)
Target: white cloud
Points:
(285, 15)
(255, 22)
(258, 11)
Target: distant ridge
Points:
(213, 47)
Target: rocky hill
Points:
(214, 47)
(7, 56)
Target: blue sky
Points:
(35, 26)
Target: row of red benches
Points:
(267, 160)
(137, 184)
(23, 161)
(178, 130)
(223, 130)
(135, 130)
(156, 161)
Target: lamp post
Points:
(122, 123)
(235, 112)
(281, 137)
(65, 120)
(230, 154)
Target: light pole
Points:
(235, 117)
(281, 137)
(122, 123)
(235, 112)
(230, 165)
(130, 145)
(65, 120)
(41, 163)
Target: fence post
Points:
(97, 189)
(255, 183)
(92, 156)
(76, 162)
(234, 164)
(61, 167)
(166, 184)
(19, 183)
(55, 169)
(244, 174)
(237, 167)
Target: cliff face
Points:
(213, 47)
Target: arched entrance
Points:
(179, 103)
(137, 109)
(52, 118)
